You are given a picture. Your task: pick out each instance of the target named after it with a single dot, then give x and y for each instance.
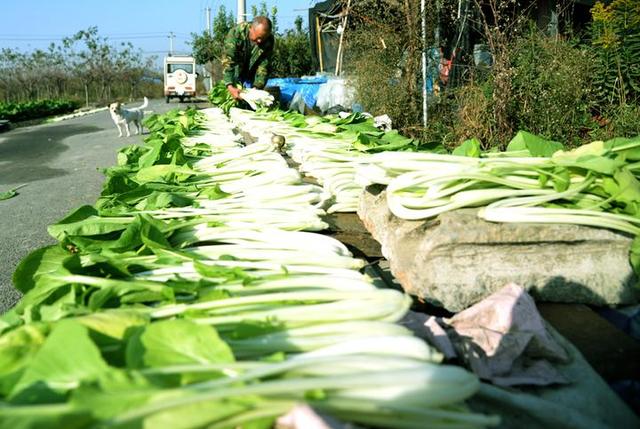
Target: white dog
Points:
(122, 116)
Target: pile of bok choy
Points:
(188, 297)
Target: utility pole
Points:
(171, 36)
(425, 107)
(210, 32)
(242, 11)
(208, 15)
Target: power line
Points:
(146, 33)
(34, 39)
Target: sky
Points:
(33, 24)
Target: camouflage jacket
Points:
(243, 61)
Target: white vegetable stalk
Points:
(256, 98)
(516, 214)
(452, 385)
(338, 331)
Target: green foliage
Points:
(84, 66)
(553, 94)
(615, 33)
(220, 97)
(620, 121)
(53, 370)
(534, 145)
(208, 47)
(10, 193)
(552, 90)
(383, 57)
(15, 112)
(292, 55)
(292, 52)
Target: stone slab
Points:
(457, 259)
(348, 228)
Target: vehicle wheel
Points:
(168, 99)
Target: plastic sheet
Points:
(306, 87)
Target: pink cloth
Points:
(502, 339)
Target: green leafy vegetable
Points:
(10, 193)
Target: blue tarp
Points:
(308, 88)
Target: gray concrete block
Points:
(457, 259)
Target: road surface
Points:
(61, 166)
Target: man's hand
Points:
(235, 92)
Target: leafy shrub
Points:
(618, 121)
(383, 59)
(292, 54)
(474, 114)
(15, 112)
(615, 33)
(552, 86)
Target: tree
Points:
(292, 54)
(207, 48)
(84, 66)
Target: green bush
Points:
(16, 112)
(382, 59)
(615, 40)
(618, 121)
(552, 85)
(292, 55)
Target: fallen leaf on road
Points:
(10, 193)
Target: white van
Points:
(179, 77)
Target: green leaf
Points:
(124, 290)
(86, 221)
(17, 348)
(627, 191)
(470, 148)
(161, 172)
(177, 342)
(537, 146)
(57, 416)
(62, 307)
(596, 148)
(599, 164)
(244, 330)
(160, 200)
(561, 178)
(217, 272)
(10, 193)
(10, 320)
(362, 127)
(213, 192)
(49, 286)
(200, 414)
(67, 358)
(114, 393)
(113, 323)
(628, 149)
(37, 263)
(154, 149)
(130, 155)
(151, 233)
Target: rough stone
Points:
(458, 259)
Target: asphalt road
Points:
(61, 166)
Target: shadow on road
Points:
(24, 156)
